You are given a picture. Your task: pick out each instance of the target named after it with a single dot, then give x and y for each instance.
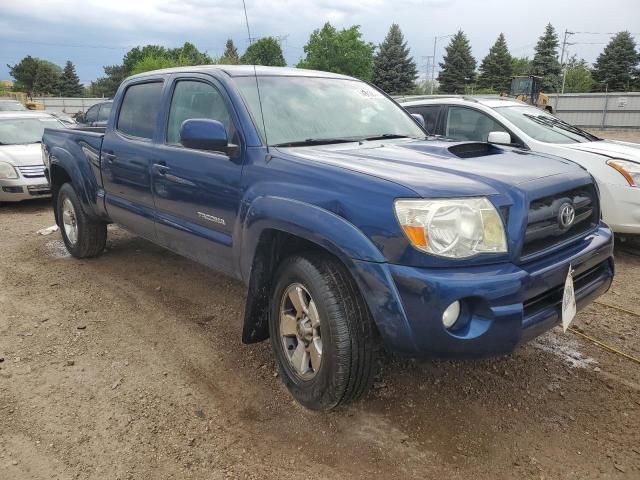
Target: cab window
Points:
(468, 124)
(92, 114)
(194, 99)
(103, 114)
(139, 110)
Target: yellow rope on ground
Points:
(604, 345)
(617, 308)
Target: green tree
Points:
(341, 51)
(34, 75)
(496, 68)
(108, 85)
(520, 66)
(545, 60)
(578, 77)
(265, 51)
(47, 79)
(69, 84)
(394, 70)
(230, 55)
(188, 54)
(458, 65)
(617, 65)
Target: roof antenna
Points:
(255, 74)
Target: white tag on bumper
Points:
(568, 301)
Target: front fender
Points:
(304, 220)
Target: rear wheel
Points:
(321, 332)
(83, 236)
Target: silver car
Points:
(21, 168)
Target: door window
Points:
(468, 124)
(430, 115)
(103, 114)
(139, 110)
(92, 114)
(193, 99)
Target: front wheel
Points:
(83, 236)
(321, 332)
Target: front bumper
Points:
(621, 207)
(18, 189)
(504, 305)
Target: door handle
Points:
(109, 156)
(161, 168)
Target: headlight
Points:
(7, 170)
(629, 170)
(455, 228)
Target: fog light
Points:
(451, 314)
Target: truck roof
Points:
(247, 70)
(25, 114)
(491, 101)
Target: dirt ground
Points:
(130, 366)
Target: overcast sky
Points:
(93, 33)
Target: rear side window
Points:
(139, 110)
(105, 110)
(430, 115)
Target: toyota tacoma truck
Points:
(352, 229)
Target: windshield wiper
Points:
(314, 141)
(561, 124)
(385, 136)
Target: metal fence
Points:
(598, 110)
(68, 105)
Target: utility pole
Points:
(565, 43)
(433, 65)
(427, 59)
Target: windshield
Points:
(304, 110)
(11, 107)
(544, 127)
(15, 131)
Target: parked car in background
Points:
(96, 116)
(10, 105)
(21, 168)
(63, 117)
(344, 221)
(614, 164)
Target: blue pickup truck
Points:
(352, 229)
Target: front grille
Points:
(32, 171)
(544, 228)
(39, 189)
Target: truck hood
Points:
(21, 155)
(431, 169)
(610, 148)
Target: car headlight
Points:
(7, 170)
(454, 228)
(629, 170)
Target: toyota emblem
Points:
(566, 216)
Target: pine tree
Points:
(617, 65)
(230, 55)
(545, 61)
(69, 84)
(394, 71)
(496, 68)
(459, 67)
(265, 51)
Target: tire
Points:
(89, 237)
(348, 340)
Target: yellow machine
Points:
(528, 89)
(26, 100)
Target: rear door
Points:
(197, 193)
(126, 158)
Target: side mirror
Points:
(419, 118)
(204, 134)
(501, 138)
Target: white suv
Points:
(615, 165)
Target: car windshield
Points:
(544, 127)
(15, 131)
(11, 107)
(312, 111)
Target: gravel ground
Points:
(130, 366)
